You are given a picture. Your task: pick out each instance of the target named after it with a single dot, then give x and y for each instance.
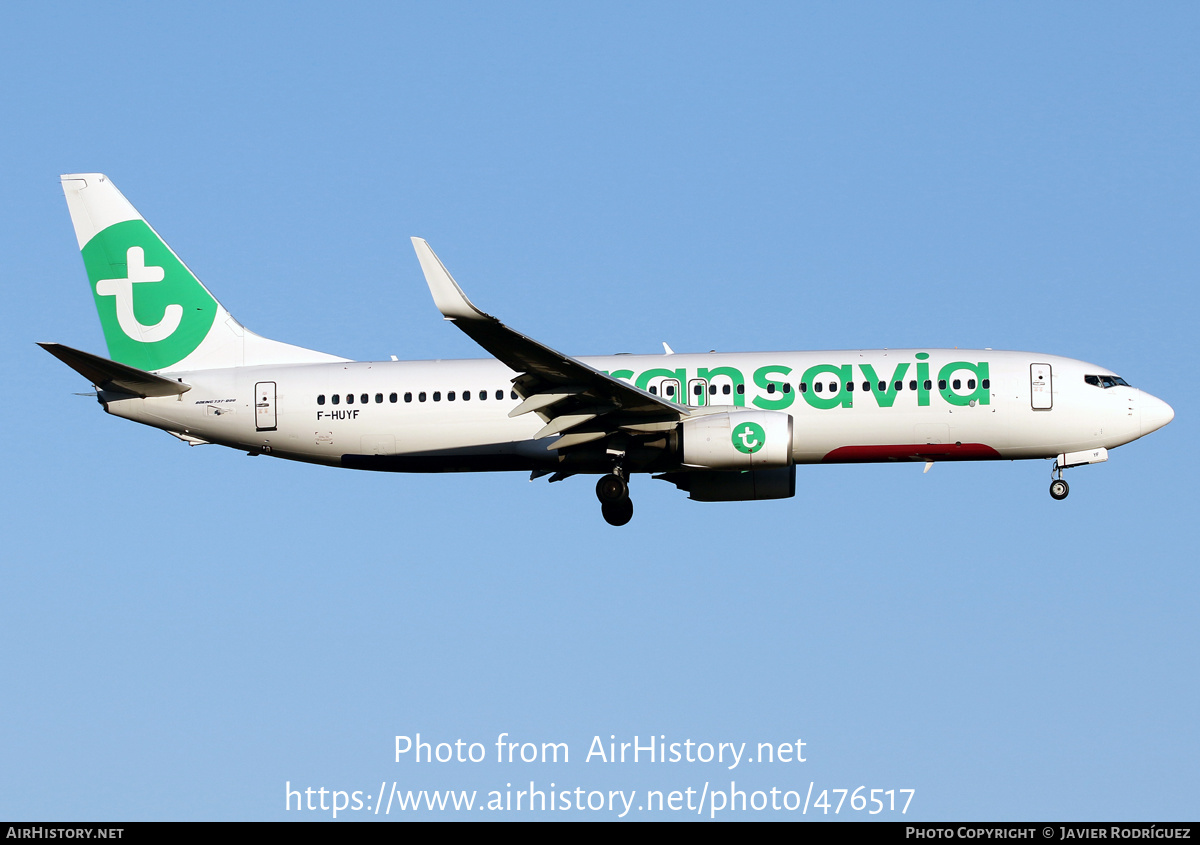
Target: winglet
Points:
(447, 295)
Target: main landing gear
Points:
(613, 492)
(1058, 487)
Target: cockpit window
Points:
(1106, 381)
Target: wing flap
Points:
(569, 440)
(562, 423)
(543, 400)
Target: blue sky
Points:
(186, 630)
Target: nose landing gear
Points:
(1058, 488)
(613, 492)
(1095, 455)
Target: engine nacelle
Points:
(747, 440)
(731, 486)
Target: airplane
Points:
(719, 426)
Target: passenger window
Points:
(912, 385)
(819, 387)
(804, 387)
(987, 383)
(698, 390)
(392, 398)
(957, 384)
(654, 389)
(867, 386)
(336, 398)
(771, 387)
(499, 395)
(321, 399)
(850, 387)
(883, 387)
(349, 398)
(408, 397)
(833, 386)
(787, 388)
(466, 395)
(899, 385)
(929, 384)
(670, 391)
(725, 389)
(379, 398)
(365, 399)
(482, 395)
(421, 396)
(941, 384)
(437, 396)
(512, 394)
(450, 396)
(970, 384)
(741, 389)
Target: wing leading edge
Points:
(577, 402)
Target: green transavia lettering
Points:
(824, 386)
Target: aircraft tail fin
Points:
(155, 313)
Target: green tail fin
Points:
(155, 313)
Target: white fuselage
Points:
(937, 404)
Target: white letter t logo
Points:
(122, 289)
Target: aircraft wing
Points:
(578, 402)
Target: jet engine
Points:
(745, 440)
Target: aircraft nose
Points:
(1155, 413)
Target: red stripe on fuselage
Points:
(911, 452)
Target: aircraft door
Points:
(1041, 387)
(264, 406)
(697, 392)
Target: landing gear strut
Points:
(1058, 487)
(613, 492)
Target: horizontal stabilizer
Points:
(109, 375)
